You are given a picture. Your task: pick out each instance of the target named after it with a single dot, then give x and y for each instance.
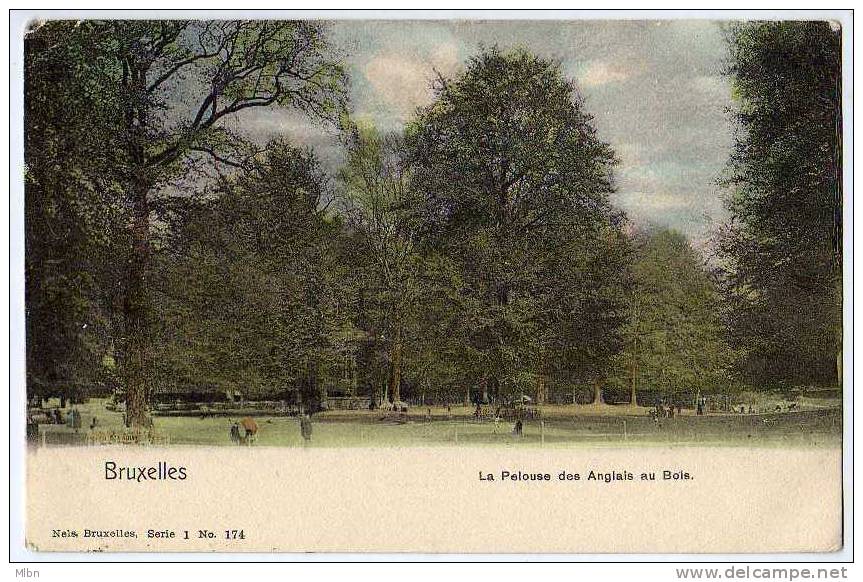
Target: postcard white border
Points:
(17, 401)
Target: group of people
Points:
(72, 420)
(663, 411)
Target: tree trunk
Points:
(313, 398)
(353, 374)
(136, 310)
(633, 393)
(541, 393)
(298, 392)
(320, 388)
(136, 304)
(396, 376)
(839, 367)
(597, 391)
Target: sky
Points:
(655, 89)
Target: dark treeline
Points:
(473, 255)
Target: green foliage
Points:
(674, 337)
(783, 247)
(479, 246)
(514, 185)
(75, 210)
(158, 95)
(252, 290)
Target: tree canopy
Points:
(513, 182)
(473, 254)
(782, 249)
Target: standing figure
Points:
(76, 419)
(306, 428)
(518, 429)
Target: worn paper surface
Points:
(432, 500)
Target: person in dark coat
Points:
(519, 428)
(306, 428)
(235, 433)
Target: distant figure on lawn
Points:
(235, 433)
(76, 419)
(306, 428)
(518, 429)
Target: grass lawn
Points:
(564, 426)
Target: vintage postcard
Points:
(499, 283)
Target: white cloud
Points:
(630, 153)
(651, 202)
(602, 73)
(714, 87)
(404, 82)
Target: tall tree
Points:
(74, 209)
(513, 177)
(782, 249)
(178, 82)
(251, 292)
(376, 187)
(674, 337)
